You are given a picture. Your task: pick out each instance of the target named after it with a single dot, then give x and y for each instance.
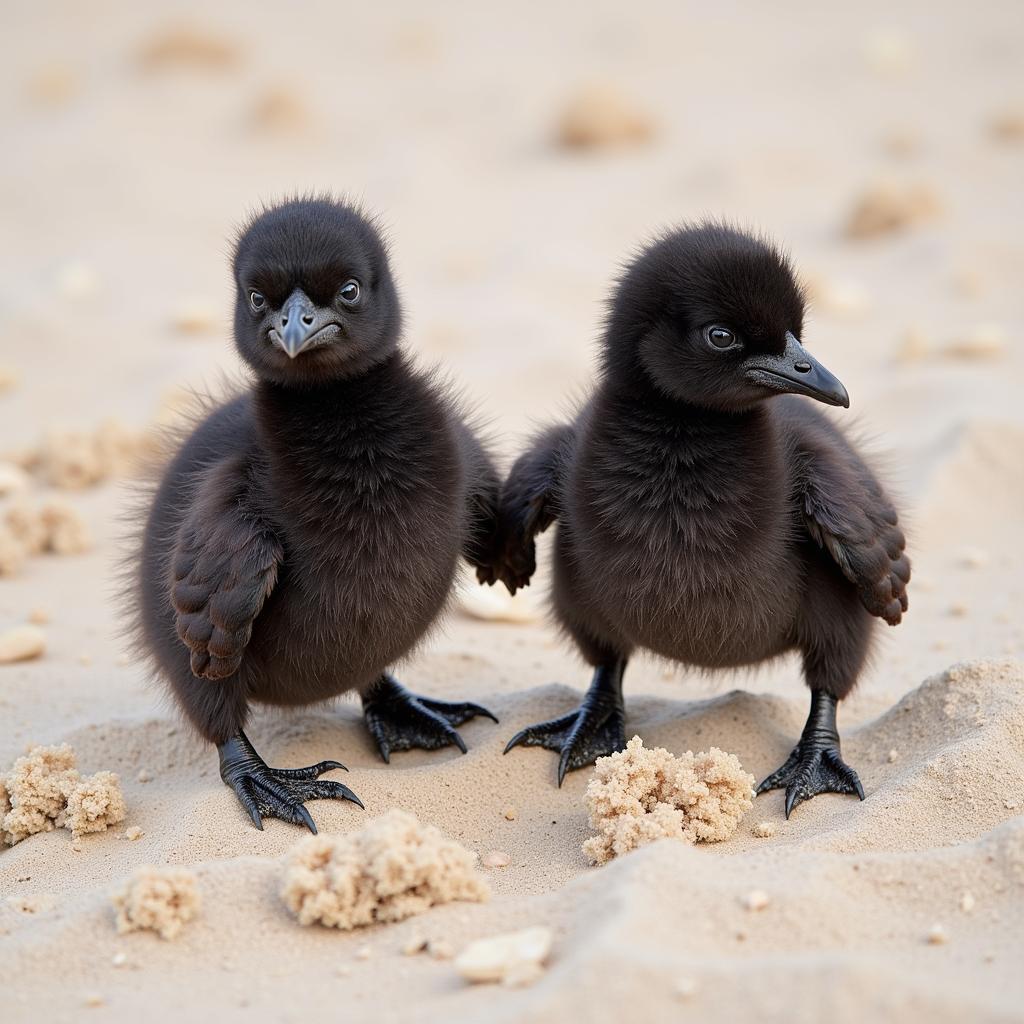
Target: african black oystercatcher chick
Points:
(306, 535)
(704, 514)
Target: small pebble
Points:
(764, 829)
(133, 832)
(967, 902)
(363, 953)
(937, 935)
(414, 946)
(685, 988)
(600, 117)
(39, 616)
(894, 756)
(975, 558)
(958, 610)
(756, 899)
(510, 813)
(93, 1000)
(119, 959)
(1008, 126)
(194, 317)
(440, 949)
(496, 859)
(145, 775)
(984, 341)
(514, 959)
(22, 643)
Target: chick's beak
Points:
(298, 322)
(796, 372)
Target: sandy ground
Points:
(128, 161)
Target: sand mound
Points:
(389, 870)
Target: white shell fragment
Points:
(516, 958)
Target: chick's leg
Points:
(816, 764)
(400, 720)
(276, 792)
(597, 728)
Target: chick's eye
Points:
(257, 301)
(719, 337)
(349, 293)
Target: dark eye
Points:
(349, 292)
(719, 337)
(257, 301)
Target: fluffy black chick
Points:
(306, 535)
(704, 514)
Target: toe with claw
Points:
(597, 728)
(400, 720)
(816, 764)
(267, 792)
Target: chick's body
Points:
(705, 513)
(306, 536)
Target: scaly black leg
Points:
(816, 764)
(277, 792)
(400, 720)
(595, 729)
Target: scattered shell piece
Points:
(886, 208)
(894, 756)
(1010, 805)
(13, 479)
(93, 1000)
(194, 317)
(363, 953)
(639, 795)
(493, 605)
(516, 958)
(496, 859)
(119, 959)
(985, 341)
(1008, 125)
(958, 610)
(967, 902)
(510, 813)
(13, 553)
(159, 899)
(187, 46)
(133, 832)
(144, 775)
(765, 829)
(686, 988)
(937, 935)
(600, 117)
(94, 804)
(390, 869)
(756, 899)
(21, 643)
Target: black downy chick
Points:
(306, 535)
(704, 514)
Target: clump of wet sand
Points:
(158, 899)
(44, 790)
(642, 794)
(392, 868)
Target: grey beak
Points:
(797, 372)
(297, 322)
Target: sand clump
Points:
(390, 869)
(44, 790)
(600, 117)
(887, 208)
(158, 899)
(514, 959)
(642, 794)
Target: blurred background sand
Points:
(517, 157)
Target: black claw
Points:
(277, 792)
(400, 720)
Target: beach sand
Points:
(137, 139)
